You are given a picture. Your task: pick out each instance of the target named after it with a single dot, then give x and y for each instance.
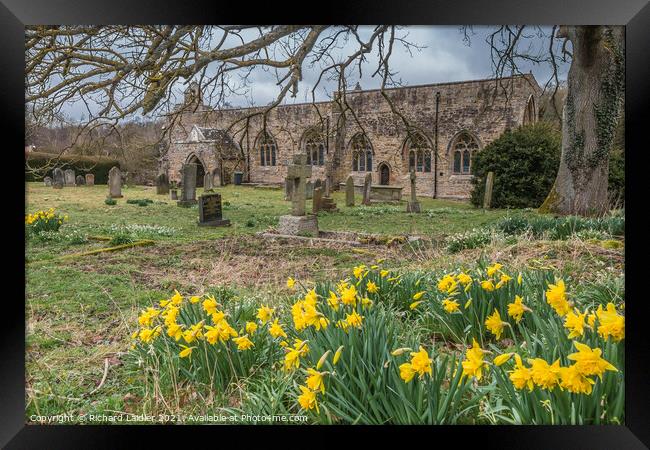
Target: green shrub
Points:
(524, 162)
(110, 201)
(560, 228)
(476, 238)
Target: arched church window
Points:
(530, 113)
(464, 148)
(267, 150)
(315, 149)
(361, 153)
(419, 153)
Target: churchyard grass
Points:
(82, 311)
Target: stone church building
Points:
(433, 129)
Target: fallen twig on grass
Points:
(101, 383)
(99, 250)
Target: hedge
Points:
(97, 165)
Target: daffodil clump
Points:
(200, 335)
(41, 221)
(516, 347)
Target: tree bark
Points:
(595, 90)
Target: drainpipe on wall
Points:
(435, 157)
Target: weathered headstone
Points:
(316, 199)
(413, 205)
(210, 211)
(309, 190)
(114, 183)
(162, 184)
(80, 180)
(367, 186)
(173, 194)
(90, 179)
(207, 181)
(318, 183)
(298, 223)
(349, 191)
(47, 181)
(69, 177)
(328, 186)
(188, 191)
(59, 178)
(489, 184)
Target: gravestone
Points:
(367, 186)
(309, 190)
(413, 206)
(188, 190)
(47, 181)
(318, 183)
(69, 177)
(59, 178)
(349, 191)
(114, 183)
(315, 204)
(162, 184)
(298, 223)
(328, 186)
(173, 194)
(80, 180)
(90, 179)
(489, 184)
(207, 182)
(210, 211)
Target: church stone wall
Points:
(484, 109)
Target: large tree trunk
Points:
(595, 91)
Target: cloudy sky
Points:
(445, 56)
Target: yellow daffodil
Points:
(610, 323)
(333, 301)
(354, 319)
(349, 295)
(243, 343)
(495, 324)
(186, 352)
(468, 303)
(384, 273)
(322, 359)
(251, 328)
(487, 285)
(473, 364)
(291, 283)
(276, 330)
(418, 295)
(307, 399)
(420, 362)
(517, 308)
(545, 375)
(406, 372)
(210, 305)
(450, 305)
(264, 314)
(491, 270)
(358, 271)
(315, 380)
(574, 381)
(372, 287)
(575, 323)
(556, 297)
(175, 331)
(521, 376)
(177, 298)
(588, 361)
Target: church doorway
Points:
(200, 170)
(384, 174)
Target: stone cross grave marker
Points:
(114, 183)
(316, 199)
(162, 184)
(47, 181)
(297, 173)
(288, 186)
(210, 211)
(59, 178)
(69, 177)
(90, 179)
(413, 205)
(489, 184)
(188, 190)
(367, 186)
(173, 194)
(80, 180)
(349, 191)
